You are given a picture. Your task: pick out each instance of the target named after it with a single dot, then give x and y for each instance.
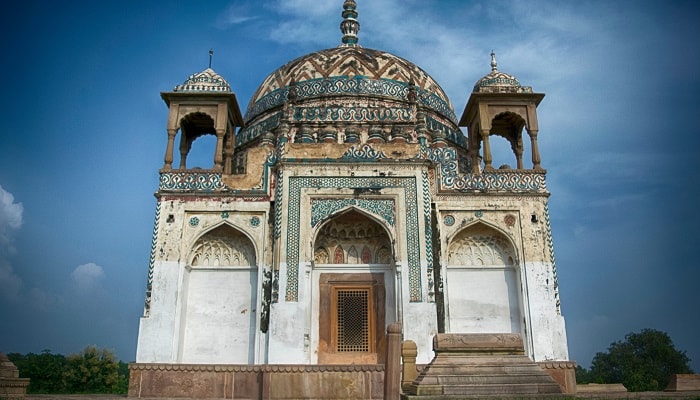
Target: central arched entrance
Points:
(353, 289)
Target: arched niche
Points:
(482, 282)
(219, 306)
(352, 237)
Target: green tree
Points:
(92, 370)
(123, 384)
(583, 375)
(644, 361)
(45, 370)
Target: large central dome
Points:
(349, 84)
(349, 71)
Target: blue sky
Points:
(83, 136)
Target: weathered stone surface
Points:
(256, 381)
(601, 388)
(482, 343)
(481, 364)
(11, 385)
(564, 372)
(684, 382)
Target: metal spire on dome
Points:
(211, 54)
(493, 62)
(350, 25)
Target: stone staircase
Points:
(481, 365)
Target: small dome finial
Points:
(350, 25)
(494, 64)
(211, 54)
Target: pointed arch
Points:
(366, 255)
(483, 285)
(485, 228)
(220, 296)
(353, 257)
(192, 126)
(351, 229)
(509, 125)
(359, 231)
(339, 255)
(222, 245)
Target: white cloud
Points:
(10, 217)
(235, 14)
(87, 276)
(10, 221)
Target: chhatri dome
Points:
(345, 79)
(499, 82)
(205, 81)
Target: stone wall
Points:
(256, 381)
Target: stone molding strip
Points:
(256, 368)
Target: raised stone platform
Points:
(201, 381)
(478, 365)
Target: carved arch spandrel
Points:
(481, 245)
(222, 246)
(356, 234)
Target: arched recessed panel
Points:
(482, 283)
(223, 246)
(321, 256)
(339, 256)
(219, 311)
(350, 231)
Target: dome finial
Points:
(211, 54)
(350, 25)
(493, 62)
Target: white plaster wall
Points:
(420, 325)
(286, 335)
(286, 342)
(549, 341)
(157, 332)
(482, 300)
(219, 317)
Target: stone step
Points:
(495, 389)
(487, 389)
(492, 379)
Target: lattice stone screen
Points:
(353, 320)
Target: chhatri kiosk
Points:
(348, 197)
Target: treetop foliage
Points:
(644, 361)
(92, 370)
